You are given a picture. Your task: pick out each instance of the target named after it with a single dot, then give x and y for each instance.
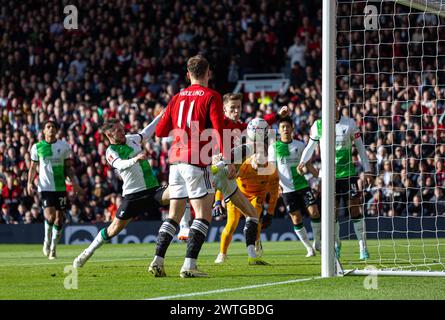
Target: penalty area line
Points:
(269, 284)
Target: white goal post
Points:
(383, 59)
(327, 143)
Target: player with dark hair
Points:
(285, 154)
(54, 159)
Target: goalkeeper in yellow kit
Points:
(253, 182)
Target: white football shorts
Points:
(187, 181)
(222, 183)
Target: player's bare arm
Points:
(369, 179)
(31, 175)
(310, 167)
(307, 155)
(150, 129)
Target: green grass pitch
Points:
(120, 272)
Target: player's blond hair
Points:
(232, 96)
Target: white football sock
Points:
(337, 233)
(97, 242)
(189, 264)
(316, 230)
(48, 231)
(302, 235)
(55, 237)
(251, 251)
(360, 232)
(158, 260)
(185, 221)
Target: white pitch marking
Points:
(233, 289)
(67, 262)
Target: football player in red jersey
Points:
(232, 112)
(188, 116)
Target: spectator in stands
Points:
(297, 52)
(297, 77)
(387, 173)
(11, 192)
(110, 211)
(374, 206)
(74, 215)
(416, 208)
(28, 218)
(427, 192)
(36, 214)
(6, 215)
(3, 213)
(21, 209)
(437, 202)
(440, 172)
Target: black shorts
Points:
(56, 199)
(346, 189)
(140, 202)
(298, 200)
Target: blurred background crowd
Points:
(128, 58)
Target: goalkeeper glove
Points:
(217, 210)
(266, 220)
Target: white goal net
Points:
(390, 78)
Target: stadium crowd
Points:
(127, 60)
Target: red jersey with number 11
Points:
(188, 115)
